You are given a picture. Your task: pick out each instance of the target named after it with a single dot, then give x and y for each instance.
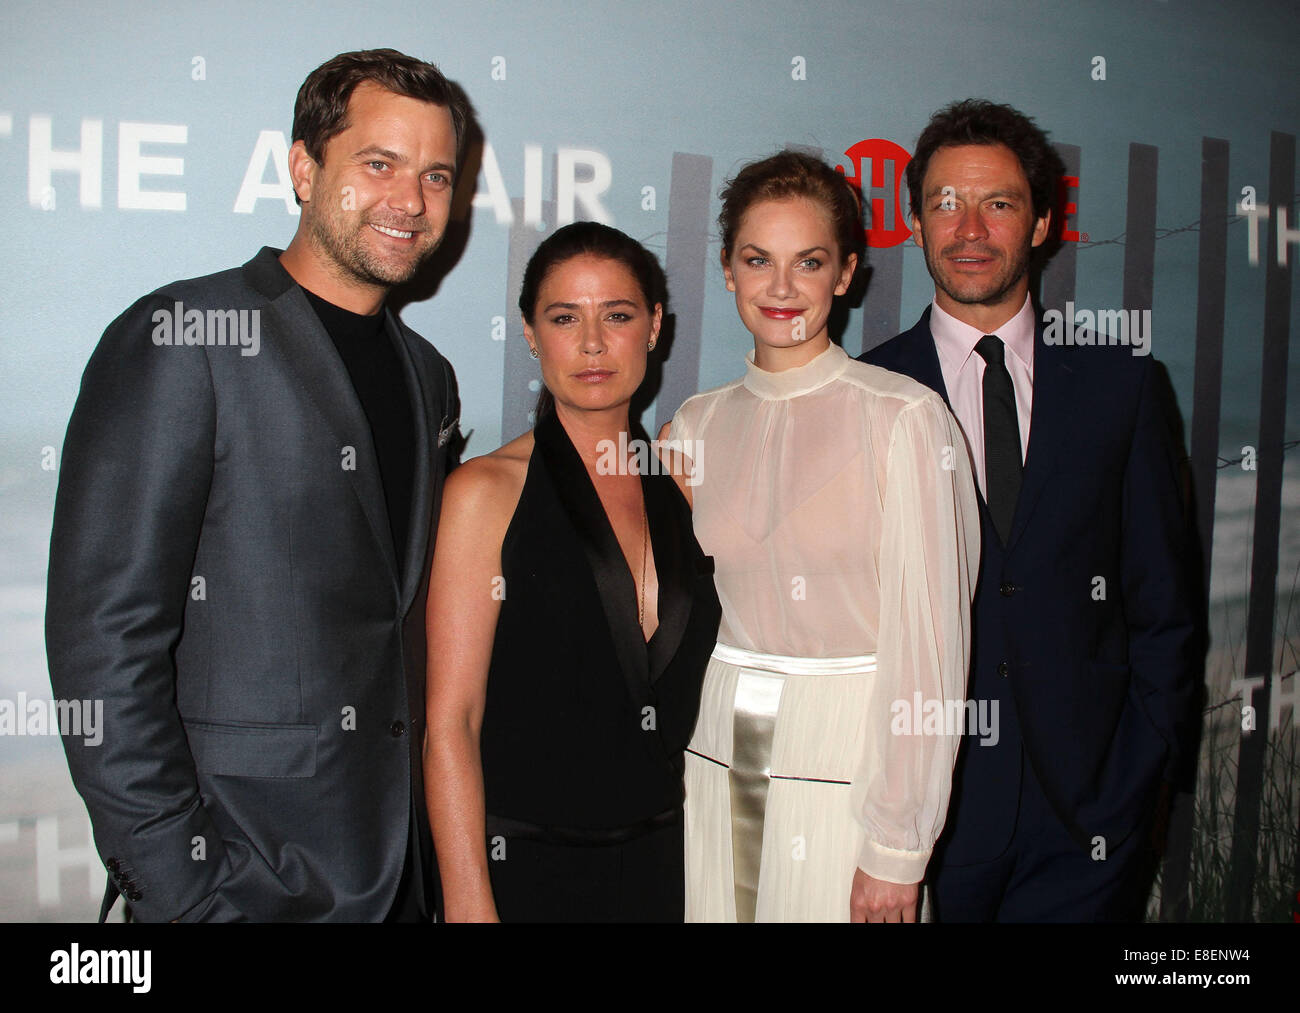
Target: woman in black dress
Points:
(571, 616)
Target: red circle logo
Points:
(878, 173)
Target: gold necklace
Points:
(645, 540)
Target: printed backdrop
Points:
(143, 142)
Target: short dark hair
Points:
(596, 240)
(979, 121)
(789, 174)
(321, 109)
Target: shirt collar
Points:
(955, 341)
(816, 372)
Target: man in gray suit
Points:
(245, 520)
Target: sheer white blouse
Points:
(837, 501)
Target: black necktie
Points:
(1002, 464)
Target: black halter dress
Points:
(585, 723)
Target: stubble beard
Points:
(345, 247)
(992, 294)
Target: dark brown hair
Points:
(321, 109)
(790, 174)
(596, 240)
(979, 121)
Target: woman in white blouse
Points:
(837, 501)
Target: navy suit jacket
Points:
(1083, 629)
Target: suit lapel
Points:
(426, 411)
(312, 356)
(614, 584)
(924, 356)
(924, 366)
(1049, 416)
(1048, 419)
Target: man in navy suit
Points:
(1083, 634)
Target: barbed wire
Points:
(1226, 463)
(1165, 233)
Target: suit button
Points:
(134, 895)
(111, 864)
(1007, 590)
(1003, 669)
(398, 729)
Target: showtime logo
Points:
(879, 168)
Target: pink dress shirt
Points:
(963, 375)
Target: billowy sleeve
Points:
(929, 558)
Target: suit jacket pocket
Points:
(248, 750)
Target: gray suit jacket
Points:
(222, 576)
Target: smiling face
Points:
(377, 206)
(592, 331)
(977, 228)
(785, 269)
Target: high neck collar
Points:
(788, 383)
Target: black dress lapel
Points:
(674, 548)
(614, 583)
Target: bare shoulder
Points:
(486, 489)
(520, 450)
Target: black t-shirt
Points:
(380, 382)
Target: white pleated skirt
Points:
(770, 829)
